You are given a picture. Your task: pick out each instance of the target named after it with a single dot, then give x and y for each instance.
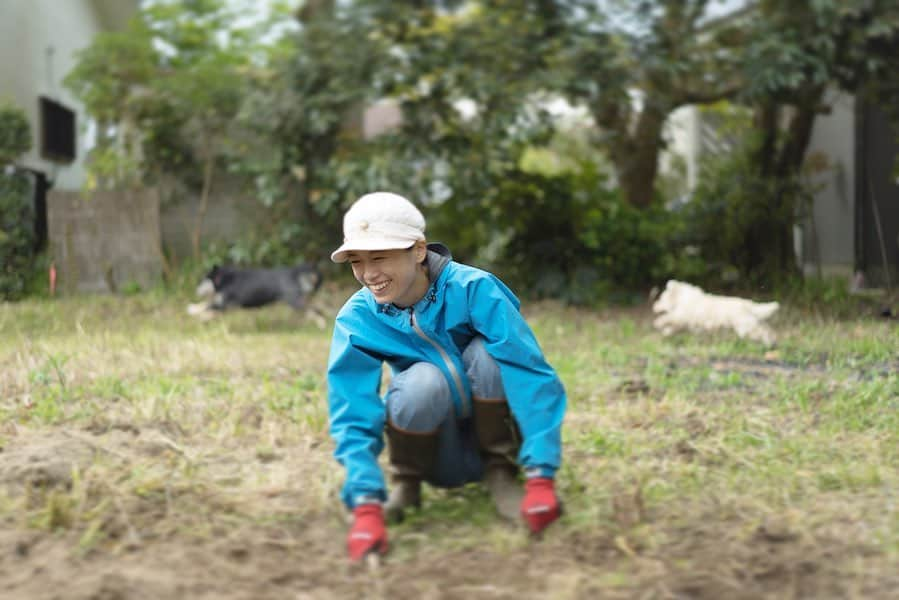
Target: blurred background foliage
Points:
(575, 210)
(17, 235)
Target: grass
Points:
(150, 454)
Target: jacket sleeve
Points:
(356, 416)
(533, 389)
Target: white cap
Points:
(380, 221)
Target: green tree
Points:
(112, 77)
(802, 52)
(468, 77)
(165, 93)
(307, 158)
(200, 85)
(633, 63)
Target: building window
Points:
(57, 131)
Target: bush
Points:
(15, 134)
(737, 219)
(17, 237)
(276, 246)
(571, 236)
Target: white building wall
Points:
(833, 137)
(38, 41)
(683, 138)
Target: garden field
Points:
(145, 454)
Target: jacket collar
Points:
(438, 257)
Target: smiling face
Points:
(393, 276)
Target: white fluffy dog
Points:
(685, 306)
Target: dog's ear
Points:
(663, 301)
(226, 275)
(673, 290)
(309, 281)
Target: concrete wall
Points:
(232, 214)
(834, 208)
(381, 117)
(105, 241)
(683, 137)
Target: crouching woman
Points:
(472, 397)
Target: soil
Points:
(149, 554)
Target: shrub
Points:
(573, 237)
(15, 134)
(17, 237)
(735, 215)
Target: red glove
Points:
(540, 505)
(368, 533)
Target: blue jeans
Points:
(419, 401)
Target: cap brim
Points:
(341, 254)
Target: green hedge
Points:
(17, 237)
(576, 238)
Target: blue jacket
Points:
(461, 303)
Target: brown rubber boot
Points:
(499, 441)
(412, 457)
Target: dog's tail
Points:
(763, 311)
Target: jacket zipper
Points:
(466, 410)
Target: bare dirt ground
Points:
(153, 552)
(180, 464)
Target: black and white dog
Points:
(231, 287)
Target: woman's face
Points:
(393, 276)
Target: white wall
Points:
(38, 41)
(683, 138)
(834, 207)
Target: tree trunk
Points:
(779, 158)
(204, 204)
(788, 172)
(637, 158)
(775, 256)
(314, 9)
(799, 134)
(767, 120)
